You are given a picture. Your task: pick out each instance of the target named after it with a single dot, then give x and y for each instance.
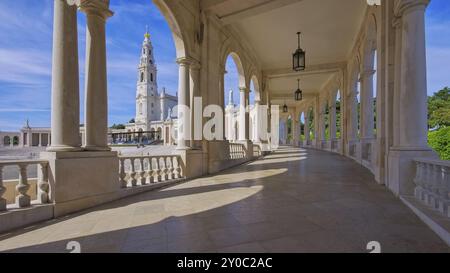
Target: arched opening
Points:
(326, 118)
(166, 40)
(289, 130)
(234, 79)
(16, 141)
(358, 106)
(233, 82)
(338, 115)
(312, 131)
(302, 127)
(6, 141)
(370, 80)
(375, 88)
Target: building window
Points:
(140, 108)
(152, 104)
(142, 76)
(151, 77)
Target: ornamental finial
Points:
(146, 35)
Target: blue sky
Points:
(26, 43)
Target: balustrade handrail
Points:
(445, 163)
(22, 161)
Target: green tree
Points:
(439, 109)
(439, 140)
(118, 126)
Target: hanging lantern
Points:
(285, 108)
(298, 92)
(298, 58)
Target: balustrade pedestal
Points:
(81, 179)
(197, 163)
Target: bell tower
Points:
(147, 98)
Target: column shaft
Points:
(183, 105)
(367, 120)
(243, 115)
(65, 113)
(96, 97)
(413, 81)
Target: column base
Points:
(63, 148)
(402, 169)
(96, 148)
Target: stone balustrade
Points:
(150, 169)
(237, 151)
(433, 184)
(23, 199)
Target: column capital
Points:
(94, 7)
(403, 6)
(187, 61)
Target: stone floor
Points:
(294, 200)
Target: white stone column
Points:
(96, 96)
(295, 131)
(184, 117)
(413, 81)
(353, 115)
(322, 124)
(196, 121)
(285, 130)
(367, 120)
(307, 132)
(39, 140)
(257, 122)
(410, 96)
(243, 115)
(65, 113)
(332, 119)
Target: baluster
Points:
(2, 191)
(446, 182)
(446, 192)
(43, 186)
(23, 200)
(158, 170)
(435, 180)
(150, 179)
(133, 173)
(170, 168)
(177, 167)
(122, 173)
(165, 169)
(142, 172)
(418, 180)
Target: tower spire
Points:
(146, 35)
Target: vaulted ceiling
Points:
(329, 29)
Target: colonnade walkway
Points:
(294, 200)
